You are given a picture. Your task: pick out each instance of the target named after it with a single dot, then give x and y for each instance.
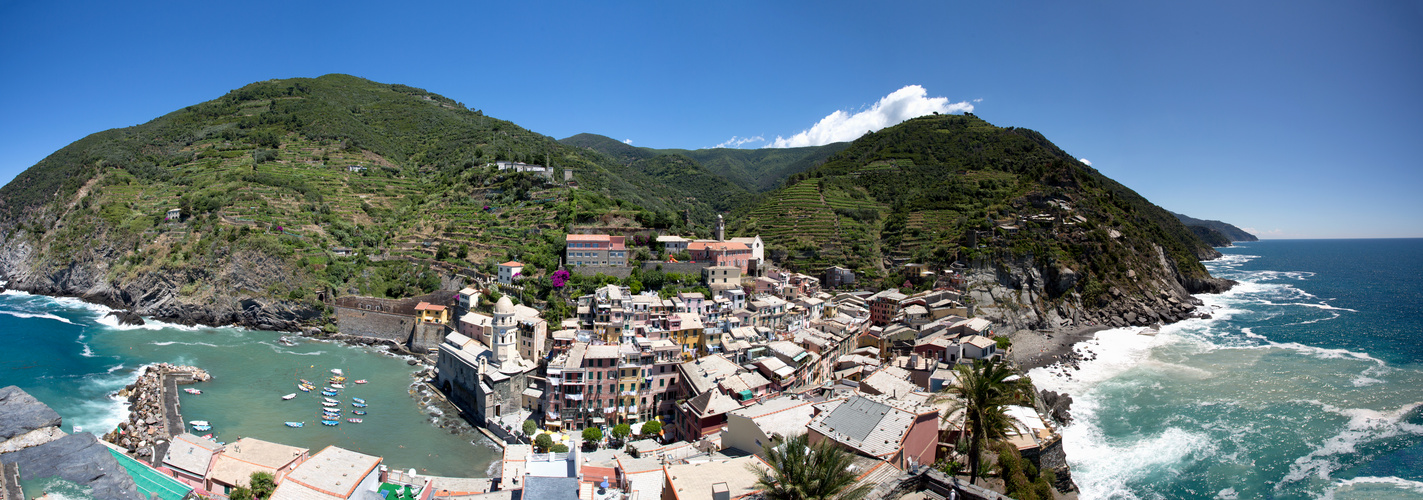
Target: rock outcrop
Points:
(153, 418)
(30, 437)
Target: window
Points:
(664, 383)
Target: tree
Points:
(591, 437)
(802, 471)
(263, 484)
(651, 428)
(983, 394)
(543, 442)
(621, 431)
(559, 448)
(530, 427)
(240, 493)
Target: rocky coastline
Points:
(154, 416)
(33, 446)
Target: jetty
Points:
(155, 413)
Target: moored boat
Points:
(331, 422)
(295, 424)
(202, 428)
(359, 412)
(358, 405)
(190, 390)
(361, 381)
(331, 400)
(337, 371)
(354, 420)
(199, 422)
(288, 396)
(304, 388)
(359, 400)
(337, 386)
(328, 404)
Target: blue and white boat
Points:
(202, 428)
(295, 424)
(328, 404)
(359, 412)
(331, 400)
(359, 400)
(332, 423)
(358, 405)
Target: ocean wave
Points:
(21, 314)
(87, 352)
(1364, 426)
(173, 342)
(112, 322)
(1383, 487)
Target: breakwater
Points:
(154, 415)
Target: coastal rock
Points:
(21, 413)
(129, 318)
(1059, 406)
(79, 458)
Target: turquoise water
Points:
(1306, 383)
(66, 354)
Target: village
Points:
(649, 396)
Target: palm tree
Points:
(802, 471)
(983, 393)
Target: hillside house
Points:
(173, 214)
(508, 270)
(879, 427)
(595, 250)
(432, 313)
(721, 253)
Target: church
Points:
(486, 382)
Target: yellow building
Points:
(431, 313)
(687, 331)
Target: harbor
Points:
(86, 362)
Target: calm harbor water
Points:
(66, 354)
(1307, 382)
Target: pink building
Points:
(595, 250)
(721, 253)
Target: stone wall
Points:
(693, 268)
(1051, 456)
(428, 336)
(380, 325)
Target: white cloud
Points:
(1084, 161)
(736, 142)
(627, 141)
(903, 104)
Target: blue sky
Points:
(1294, 119)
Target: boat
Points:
(202, 428)
(304, 388)
(361, 381)
(359, 400)
(192, 391)
(304, 381)
(337, 386)
(338, 379)
(354, 420)
(331, 411)
(358, 405)
(207, 436)
(199, 422)
(331, 422)
(359, 412)
(288, 396)
(337, 371)
(331, 400)
(328, 404)
(329, 392)
(295, 424)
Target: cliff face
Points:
(219, 295)
(1021, 294)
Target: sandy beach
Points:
(1032, 349)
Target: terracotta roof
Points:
(512, 263)
(588, 237)
(426, 306)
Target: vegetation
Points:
(591, 437)
(1021, 479)
(802, 471)
(263, 484)
(621, 432)
(530, 427)
(754, 170)
(983, 393)
(543, 442)
(651, 428)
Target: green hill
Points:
(1227, 232)
(938, 189)
(754, 170)
(284, 171)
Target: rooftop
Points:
(331, 473)
(247, 455)
(698, 481)
(191, 453)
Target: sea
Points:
(71, 356)
(1305, 382)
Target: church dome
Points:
(504, 306)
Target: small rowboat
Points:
(337, 371)
(328, 404)
(359, 400)
(358, 405)
(329, 400)
(331, 422)
(304, 388)
(202, 428)
(207, 436)
(199, 422)
(288, 397)
(325, 392)
(361, 381)
(305, 381)
(354, 420)
(192, 391)
(337, 386)
(295, 424)
(331, 413)
(359, 412)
